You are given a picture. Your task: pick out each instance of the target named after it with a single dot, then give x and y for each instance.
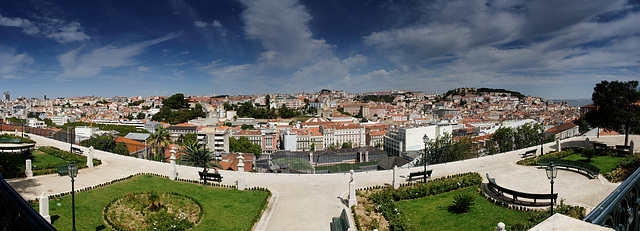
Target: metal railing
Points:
(620, 210)
(16, 213)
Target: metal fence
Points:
(16, 213)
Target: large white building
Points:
(404, 140)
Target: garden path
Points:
(308, 202)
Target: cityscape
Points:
(305, 115)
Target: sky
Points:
(556, 49)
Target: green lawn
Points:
(605, 163)
(430, 213)
(225, 209)
(37, 158)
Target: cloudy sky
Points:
(557, 49)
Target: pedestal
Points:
(352, 194)
(174, 173)
(396, 178)
(240, 183)
(558, 148)
(28, 171)
(90, 157)
(44, 207)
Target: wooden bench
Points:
(76, 150)
(499, 190)
(340, 223)
(63, 170)
(531, 152)
(10, 141)
(601, 146)
(421, 173)
(623, 149)
(210, 176)
(590, 169)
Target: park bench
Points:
(210, 176)
(421, 173)
(601, 146)
(623, 149)
(63, 170)
(10, 141)
(499, 190)
(531, 152)
(340, 223)
(76, 150)
(590, 169)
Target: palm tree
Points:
(159, 140)
(195, 154)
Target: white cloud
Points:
(67, 33)
(12, 63)
(281, 27)
(184, 52)
(143, 69)
(27, 26)
(217, 24)
(200, 24)
(465, 38)
(56, 29)
(82, 62)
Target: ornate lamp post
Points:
(552, 173)
(425, 140)
(73, 172)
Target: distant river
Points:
(576, 102)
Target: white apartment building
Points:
(338, 134)
(402, 140)
(31, 122)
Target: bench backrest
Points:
(345, 220)
(570, 163)
(492, 183)
(10, 140)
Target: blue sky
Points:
(557, 49)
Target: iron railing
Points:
(621, 209)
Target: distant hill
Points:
(479, 91)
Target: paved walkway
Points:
(307, 202)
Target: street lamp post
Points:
(73, 172)
(70, 139)
(552, 173)
(425, 140)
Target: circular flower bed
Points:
(153, 211)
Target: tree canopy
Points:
(617, 107)
(242, 144)
(106, 143)
(175, 110)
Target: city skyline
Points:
(551, 49)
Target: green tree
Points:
(186, 138)
(159, 140)
(247, 127)
(176, 101)
(242, 144)
(195, 154)
(346, 145)
(106, 143)
(616, 106)
(444, 149)
(140, 116)
(582, 125)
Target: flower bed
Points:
(153, 211)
